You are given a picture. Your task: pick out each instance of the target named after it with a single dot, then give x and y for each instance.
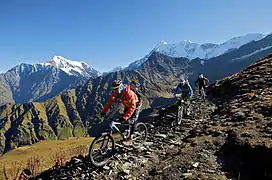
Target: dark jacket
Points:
(201, 82)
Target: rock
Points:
(175, 142)
(76, 160)
(187, 174)
(210, 171)
(239, 116)
(126, 166)
(195, 164)
(83, 176)
(160, 135)
(106, 167)
(148, 143)
(126, 171)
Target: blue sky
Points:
(108, 33)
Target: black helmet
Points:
(116, 84)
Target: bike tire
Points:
(143, 127)
(203, 95)
(109, 152)
(179, 115)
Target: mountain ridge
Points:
(38, 82)
(41, 81)
(72, 67)
(193, 50)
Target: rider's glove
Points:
(102, 114)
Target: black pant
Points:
(134, 116)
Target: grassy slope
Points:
(45, 150)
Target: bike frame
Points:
(179, 98)
(113, 125)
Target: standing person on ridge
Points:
(131, 102)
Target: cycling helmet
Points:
(200, 75)
(183, 81)
(116, 84)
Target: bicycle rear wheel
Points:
(101, 150)
(203, 94)
(179, 114)
(139, 136)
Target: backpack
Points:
(135, 88)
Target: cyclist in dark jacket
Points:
(201, 82)
(186, 92)
(184, 88)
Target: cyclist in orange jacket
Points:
(131, 102)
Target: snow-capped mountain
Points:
(118, 68)
(70, 67)
(38, 82)
(193, 50)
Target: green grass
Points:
(45, 150)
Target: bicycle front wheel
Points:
(139, 135)
(101, 150)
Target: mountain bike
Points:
(102, 147)
(183, 106)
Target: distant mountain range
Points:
(191, 50)
(39, 82)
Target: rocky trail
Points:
(164, 155)
(228, 136)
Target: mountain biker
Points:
(184, 88)
(131, 102)
(202, 82)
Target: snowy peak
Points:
(185, 48)
(233, 43)
(193, 50)
(61, 62)
(118, 68)
(72, 67)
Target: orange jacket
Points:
(128, 98)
